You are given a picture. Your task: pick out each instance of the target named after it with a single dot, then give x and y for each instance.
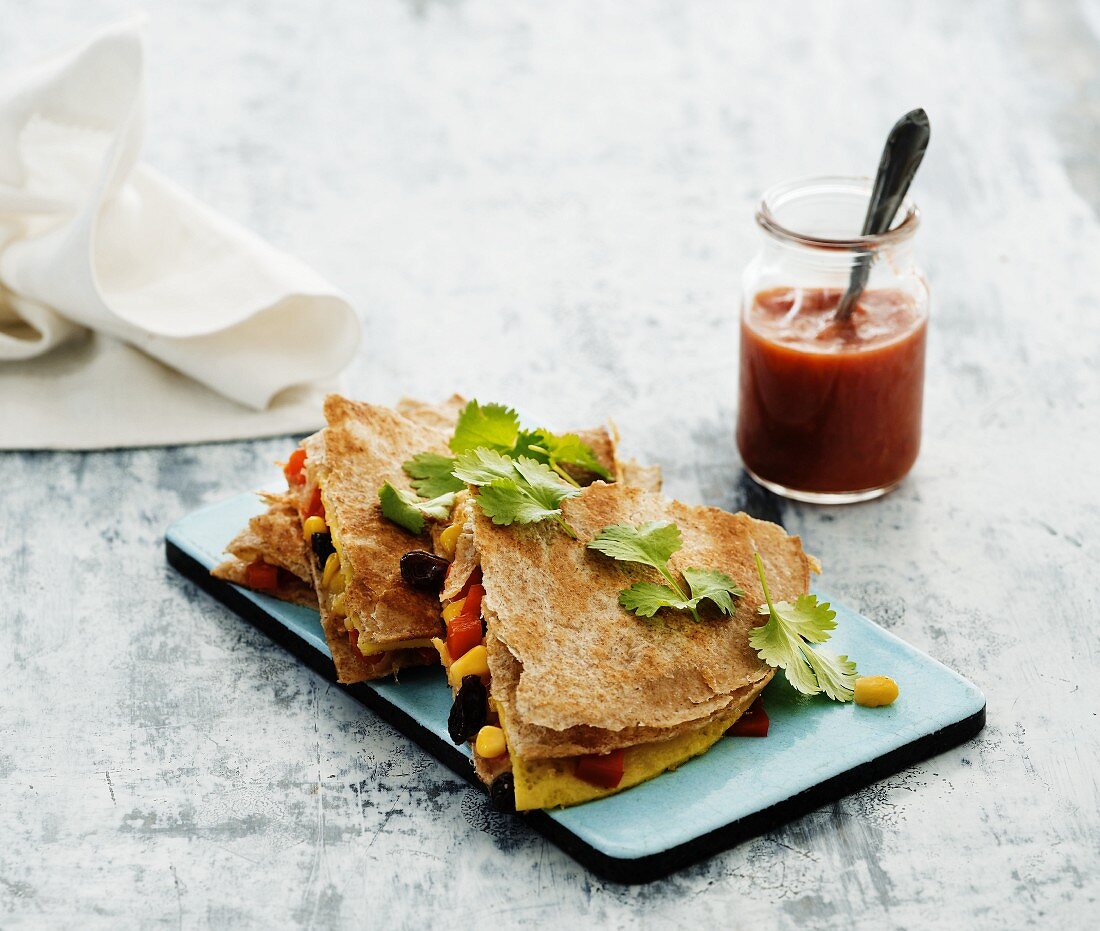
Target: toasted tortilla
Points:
(275, 537)
(442, 416)
(535, 742)
(553, 783)
(575, 672)
(363, 447)
(646, 477)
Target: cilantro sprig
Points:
(515, 491)
(432, 474)
(496, 427)
(786, 641)
(492, 426)
(406, 510)
(653, 544)
(519, 493)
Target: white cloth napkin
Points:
(130, 313)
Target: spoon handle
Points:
(901, 157)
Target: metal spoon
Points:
(901, 157)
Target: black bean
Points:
(502, 793)
(425, 572)
(321, 544)
(468, 713)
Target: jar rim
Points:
(780, 194)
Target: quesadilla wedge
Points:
(374, 621)
(389, 624)
(375, 624)
(574, 682)
(270, 556)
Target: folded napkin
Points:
(130, 313)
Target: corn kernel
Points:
(453, 610)
(441, 648)
(339, 581)
(448, 541)
(332, 566)
(875, 691)
(490, 742)
(473, 662)
(336, 606)
(312, 525)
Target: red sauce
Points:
(827, 406)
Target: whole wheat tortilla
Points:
(582, 661)
(275, 537)
(364, 447)
(646, 477)
(289, 588)
(533, 742)
(442, 416)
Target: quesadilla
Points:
(574, 682)
(375, 622)
(269, 555)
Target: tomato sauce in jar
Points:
(827, 407)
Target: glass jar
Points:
(830, 408)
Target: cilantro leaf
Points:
(492, 426)
(483, 466)
(408, 511)
(569, 449)
(506, 503)
(431, 474)
(560, 451)
(715, 585)
(650, 544)
(495, 427)
(835, 674)
(785, 642)
(646, 598)
(653, 544)
(515, 491)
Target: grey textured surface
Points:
(552, 206)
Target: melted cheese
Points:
(552, 783)
(371, 647)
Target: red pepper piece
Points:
(602, 769)
(474, 579)
(464, 632)
(316, 507)
(753, 723)
(461, 638)
(262, 576)
(471, 610)
(293, 468)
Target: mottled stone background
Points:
(551, 204)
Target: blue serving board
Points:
(816, 751)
